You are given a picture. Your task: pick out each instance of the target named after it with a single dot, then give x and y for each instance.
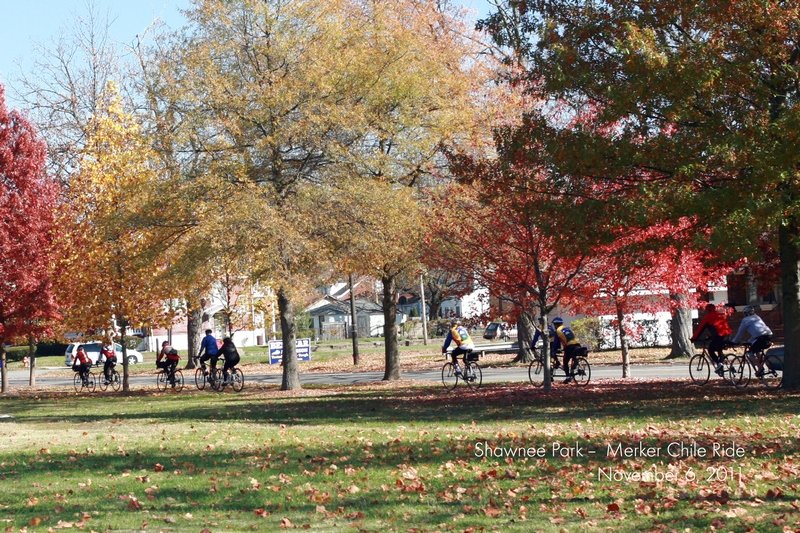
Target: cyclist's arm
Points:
(740, 334)
(447, 341)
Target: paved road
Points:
(19, 378)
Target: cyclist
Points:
(464, 344)
(760, 336)
(209, 346)
(555, 342)
(717, 324)
(162, 361)
(107, 351)
(572, 346)
(230, 355)
(81, 364)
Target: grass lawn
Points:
(398, 457)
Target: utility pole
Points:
(353, 320)
(424, 313)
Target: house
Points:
(331, 318)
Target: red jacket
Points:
(81, 358)
(715, 320)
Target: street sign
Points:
(303, 347)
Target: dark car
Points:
(499, 330)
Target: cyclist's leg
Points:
(205, 357)
(454, 354)
(106, 368)
(715, 348)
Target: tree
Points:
(28, 200)
(108, 278)
(640, 271)
(689, 110)
(441, 284)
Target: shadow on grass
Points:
(652, 401)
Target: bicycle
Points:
(581, 372)
(115, 381)
(235, 380)
(201, 374)
(471, 373)
(84, 380)
(767, 368)
(700, 366)
(169, 376)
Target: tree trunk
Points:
(525, 331)
(291, 377)
(681, 328)
(3, 364)
(546, 355)
(31, 361)
(126, 387)
(790, 282)
(194, 324)
(353, 321)
(623, 341)
(392, 370)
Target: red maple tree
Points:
(28, 200)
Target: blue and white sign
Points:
(303, 347)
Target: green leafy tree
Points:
(645, 112)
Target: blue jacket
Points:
(209, 344)
(555, 343)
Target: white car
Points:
(93, 352)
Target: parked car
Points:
(499, 330)
(93, 352)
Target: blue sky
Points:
(41, 21)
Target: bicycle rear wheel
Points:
(473, 375)
(738, 371)
(449, 377)
(237, 378)
(773, 372)
(161, 381)
(116, 382)
(200, 379)
(699, 369)
(217, 380)
(582, 372)
(536, 373)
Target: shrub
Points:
(589, 331)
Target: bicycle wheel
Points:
(200, 379)
(116, 382)
(77, 382)
(536, 373)
(473, 375)
(582, 372)
(449, 377)
(161, 381)
(91, 381)
(738, 371)
(699, 369)
(217, 380)
(238, 379)
(773, 372)
(178, 386)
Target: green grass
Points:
(383, 458)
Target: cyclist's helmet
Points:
(749, 310)
(557, 321)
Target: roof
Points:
(343, 308)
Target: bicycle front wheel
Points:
(102, 383)
(161, 381)
(738, 372)
(217, 380)
(536, 373)
(77, 382)
(200, 379)
(178, 386)
(773, 372)
(699, 369)
(582, 372)
(116, 382)
(449, 377)
(473, 375)
(91, 381)
(237, 378)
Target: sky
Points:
(31, 22)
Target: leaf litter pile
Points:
(654, 456)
